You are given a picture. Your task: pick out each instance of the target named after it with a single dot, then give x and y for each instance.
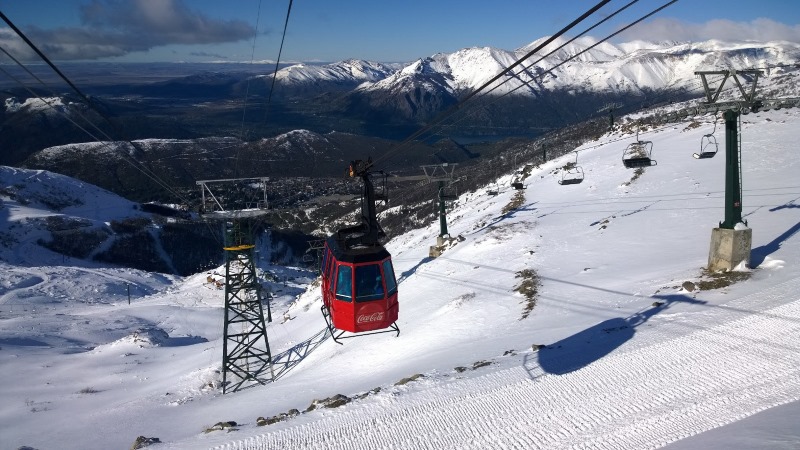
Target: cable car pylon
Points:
(246, 354)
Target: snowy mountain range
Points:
(636, 69)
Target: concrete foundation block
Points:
(729, 248)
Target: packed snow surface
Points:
(614, 350)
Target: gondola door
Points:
(342, 302)
(376, 305)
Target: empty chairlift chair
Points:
(638, 154)
(708, 145)
(572, 174)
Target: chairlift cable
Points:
(585, 50)
(525, 68)
(461, 102)
(456, 107)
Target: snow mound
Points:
(145, 337)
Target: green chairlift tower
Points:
(731, 242)
(442, 175)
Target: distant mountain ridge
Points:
(353, 109)
(623, 68)
(545, 94)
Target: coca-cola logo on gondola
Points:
(368, 318)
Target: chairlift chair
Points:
(638, 154)
(448, 193)
(572, 175)
(708, 145)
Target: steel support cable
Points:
(274, 75)
(50, 63)
(578, 54)
(540, 76)
(89, 103)
(532, 77)
(461, 102)
(476, 168)
(525, 68)
(133, 162)
(670, 95)
(48, 88)
(278, 61)
(89, 133)
(144, 169)
(242, 134)
(252, 57)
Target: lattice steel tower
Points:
(246, 354)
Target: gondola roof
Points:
(356, 254)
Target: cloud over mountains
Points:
(760, 29)
(116, 28)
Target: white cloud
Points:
(760, 29)
(116, 28)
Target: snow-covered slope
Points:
(616, 352)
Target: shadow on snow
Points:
(289, 359)
(758, 254)
(587, 346)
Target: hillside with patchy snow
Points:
(562, 317)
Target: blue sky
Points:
(388, 31)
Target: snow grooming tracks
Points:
(692, 383)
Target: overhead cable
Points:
(458, 105)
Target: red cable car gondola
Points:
(359, 289)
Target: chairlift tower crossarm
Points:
(218, 208)
(730, 246)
